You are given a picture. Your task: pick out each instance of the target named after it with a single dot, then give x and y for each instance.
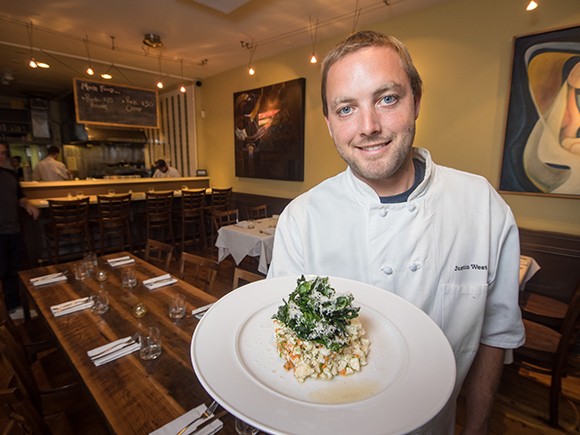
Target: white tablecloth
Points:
(528, 268)
(237, 241)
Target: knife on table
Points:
(210, 420)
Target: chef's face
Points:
(372, 113)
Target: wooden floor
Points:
(522, 403)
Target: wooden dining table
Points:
(133, 395)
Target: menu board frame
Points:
(103, 103)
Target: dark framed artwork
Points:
(542, 141)
(269, 131)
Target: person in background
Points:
(11, 244)
(49, 168)
(164, 170)
(15, 162)
(442, 239)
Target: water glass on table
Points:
(244, 428)
(128, 277)
(177, 306)
(80, 270)
(150, 344)
(100, 302)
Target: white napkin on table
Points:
(199, 312)
(48, 279)
(159, 281)
(269, 231)
(242, 224)
(119, 261)
(121, 351)
(71, 306)
(176, 425)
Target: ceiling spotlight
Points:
(182, 89)
(106, 76)
(251, 71)
(152, 40)
(32, 63)
(160, 84)
(90, 71)
(42, 64)
(531, 6)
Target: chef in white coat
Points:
(440, 238)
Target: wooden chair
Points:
(159, 215)
(244, 277)
(114, 220)
(258, 212)
(69, 222)
(159, 254)
(223, 218)
(546, 351)
(33, 335)
(48, 381)
(543, 309)
(199, 271)
(220, 200)
(192, 216)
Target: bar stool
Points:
(114, 214)
(191, 215)
(69, 222)
(220, 201)
(159, 219)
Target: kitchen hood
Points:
(102, 134)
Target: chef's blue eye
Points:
(389, 99)
(344, 110)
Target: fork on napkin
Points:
(114, 350)
(176, 425)
(120, 261)
(48, 279)
(159, 281)
(71, 306)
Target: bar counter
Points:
(60, 189)
(38, 193)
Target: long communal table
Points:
(134, 396)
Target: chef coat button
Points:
(384, 212)
(387, 270)
(413, 267)
(411, 207)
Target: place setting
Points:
(48, 279)
(201, 420)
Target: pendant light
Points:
(531, 5)
(182, 88)
(89, 69)
(313, 33)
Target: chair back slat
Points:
(223, 218)
(199, 271)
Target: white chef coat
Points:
(452, 250)
(50, 169)
(171, 173)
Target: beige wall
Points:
(463, 50)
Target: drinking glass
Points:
(80, 270)
(150, 344)
(250, 223)
(90, 259)
(128, 277)
(177, 306)
(244, 428)
(100, 302)
(111, 191)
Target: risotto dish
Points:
(318, 334)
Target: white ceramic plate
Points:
(408, 379)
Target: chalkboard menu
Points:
(107, 104)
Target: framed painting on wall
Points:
(269, 131)
(542, 141)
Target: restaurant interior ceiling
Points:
(186, 41)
